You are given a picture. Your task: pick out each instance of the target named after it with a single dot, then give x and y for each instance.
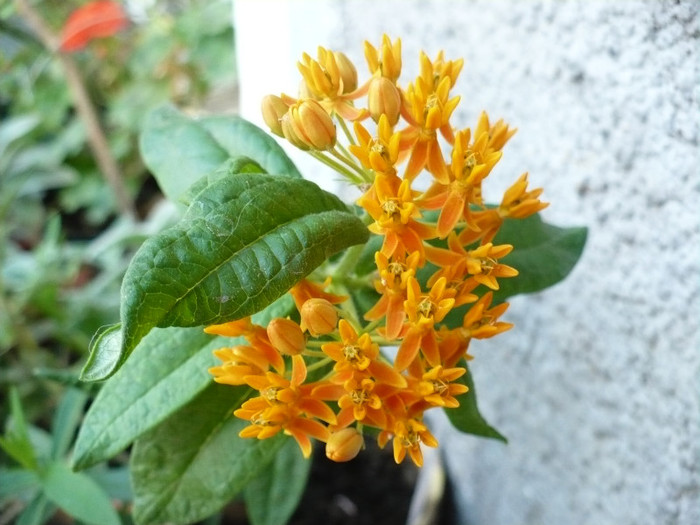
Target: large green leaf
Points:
(167, 369)
(543, 254)
(466, 417)
(244, 242)
(78, 495)
(274, 494)
(193, 463)
(179, 150)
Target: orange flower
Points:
(379, 154)
(305, 290)
(423, 312)
(386, 61)
(331, 80)
(481, 263)
(408, 435)
(428, 108)
(394, 213)
(98, 19)
(255, 334)
(358, 354)
(437, 387)
(237, 363)
(392, 283)
(285, 404)
(481, 322)
(519, 203)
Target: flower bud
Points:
(347, 71)
(289, 132)
(273, 109)
(344, 445)
(384, 99)
(310, 125)
(286, 336)
(318, 316)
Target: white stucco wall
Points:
(598, 385)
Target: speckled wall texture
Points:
(597, 386)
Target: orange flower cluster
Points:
(320, 373)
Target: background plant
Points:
(65, 237)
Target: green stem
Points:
(347, 263)
(344, 125)
(374, 324)
(337, 167)
(366, 177)
(314, 353)
(318, 364)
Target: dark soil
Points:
(369, 490)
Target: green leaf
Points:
(16, 441)
(274, 494)
(543, 254)
(37, 512)
(66, 420)
(234, 252)
(466, 416)
(167, 369)
(78, 495)
(105, 351)
(17, 483)
(192, 464)
(179, 150)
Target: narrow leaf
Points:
(274, 494)
(37, 512)
(243, 243)
(466, 417)
(179, 150)
(16, 442)
(78, 495)
(66, 420)
(194, 463)
(167, 369)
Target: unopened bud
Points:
(318, 316)
(347, 71)
(384, 99)
(309, 124)
(286, 336)
(344, 445)
(273, 109)
(289, 132)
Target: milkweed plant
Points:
(274, 318)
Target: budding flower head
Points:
(308, 126)
(344, 445)
(286, 336)
(384, 99)
(273, 109)
(318, 316)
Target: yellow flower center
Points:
(426, 308)
(270, 394)
(352, 353)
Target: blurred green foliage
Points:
(63, 244)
